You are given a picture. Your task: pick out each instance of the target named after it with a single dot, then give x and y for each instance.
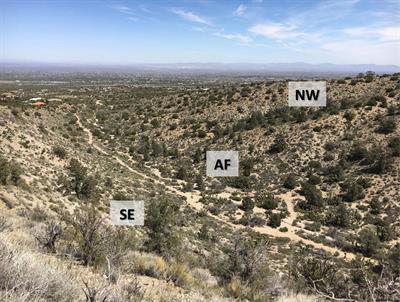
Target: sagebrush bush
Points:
(59, 152)
(394, 145)
(180, 275)
(145, 264)
(49, 235)
(10, 172)
(4, 225)
(28, 277)
(85, 229)
(236, 289)
(290, 182)
(387, 125)
(204, 277)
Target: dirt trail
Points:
(193, 198)
(90, 136)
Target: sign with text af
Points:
(127, 212)
(222, 163)
(307, 94)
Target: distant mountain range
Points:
(268, 68)
(277, 67)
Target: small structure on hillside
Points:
(35, 99)
(38, 104)
(8, 96)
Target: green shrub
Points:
(247, 204)
(201, 133)
(182, 173)
(241, 182)
(274, 220)
(387, 125)
(312, 195)
(5, 170)
(314, 179)
(368, 242)
(394, 145)
(161, 220)
(357, 153)
(394, 258)
(120, 196)
(375, 206)
(349, 115)
(381, 165)
(352, 191)
(204, 233)
(80, 182)
(10, 172)
(314, 227)
(384, 230)
(290, 182)
(266, 201)
(155, 123)
(279, 144)
(199, 182)
(247, 165)
(339, 216)
(334, 173)
(372, 101)
(59, 152)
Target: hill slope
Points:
(317, 197)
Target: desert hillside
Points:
(313, 215)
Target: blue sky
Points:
(254, 31)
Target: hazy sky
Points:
(255, 31)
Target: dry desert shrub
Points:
(180, 275)
(297, 298)
(134, 290)
(49, 235)
(145, 264)
(236, 288)
(4, 225)
(95, 294)
(204, 277)
(23, 276)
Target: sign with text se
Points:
(127, 212)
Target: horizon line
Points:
(189, 62)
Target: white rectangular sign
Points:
(222, 163)
(307, 94)
(127, 212)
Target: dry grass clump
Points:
(236, 288)
(156, 267)
(4, 225)
(204, 277)
(297, 298)
(180, 275)
(145, 264)
(23, 276)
